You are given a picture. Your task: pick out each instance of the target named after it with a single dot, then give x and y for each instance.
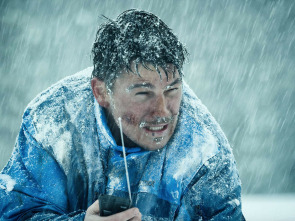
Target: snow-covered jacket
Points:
(65, 157)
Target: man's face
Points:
(148, 105)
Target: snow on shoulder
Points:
(6, 182)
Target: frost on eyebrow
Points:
(140, 85)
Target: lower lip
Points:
(157, 131)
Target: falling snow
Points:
(241, 65)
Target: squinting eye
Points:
(172, 90)
(142, 93)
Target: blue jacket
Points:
(65, 157)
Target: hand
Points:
(92, 214)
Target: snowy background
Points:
(242, 66)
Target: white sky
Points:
(269, 207)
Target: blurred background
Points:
(241, 65)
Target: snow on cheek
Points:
(6, 182)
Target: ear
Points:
(99, 91)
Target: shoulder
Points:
(61, 103)
(66, 88)
(198, 139)
(201, 118)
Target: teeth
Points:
(155, 128)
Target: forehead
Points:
(149, 75)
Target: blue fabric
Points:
(65, 157)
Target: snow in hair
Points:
(135, 36)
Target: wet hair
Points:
(135, 37)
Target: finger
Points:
(126, 215)
(94, 208)
(136, 218)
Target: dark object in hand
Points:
(109, 205)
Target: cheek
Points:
(135, 115)
(130, 118)
(174, 106)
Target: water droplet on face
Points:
(142, 124)
(158, 139)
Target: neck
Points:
(115, 130)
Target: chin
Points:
(155, 146)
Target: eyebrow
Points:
(141, 85)
(149, 85)
(178, 80)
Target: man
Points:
(69, 151)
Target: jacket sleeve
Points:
(32, 185)
(214, 193)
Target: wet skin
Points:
(148, 105)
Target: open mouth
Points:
(158, 128)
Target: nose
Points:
(159, 107)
